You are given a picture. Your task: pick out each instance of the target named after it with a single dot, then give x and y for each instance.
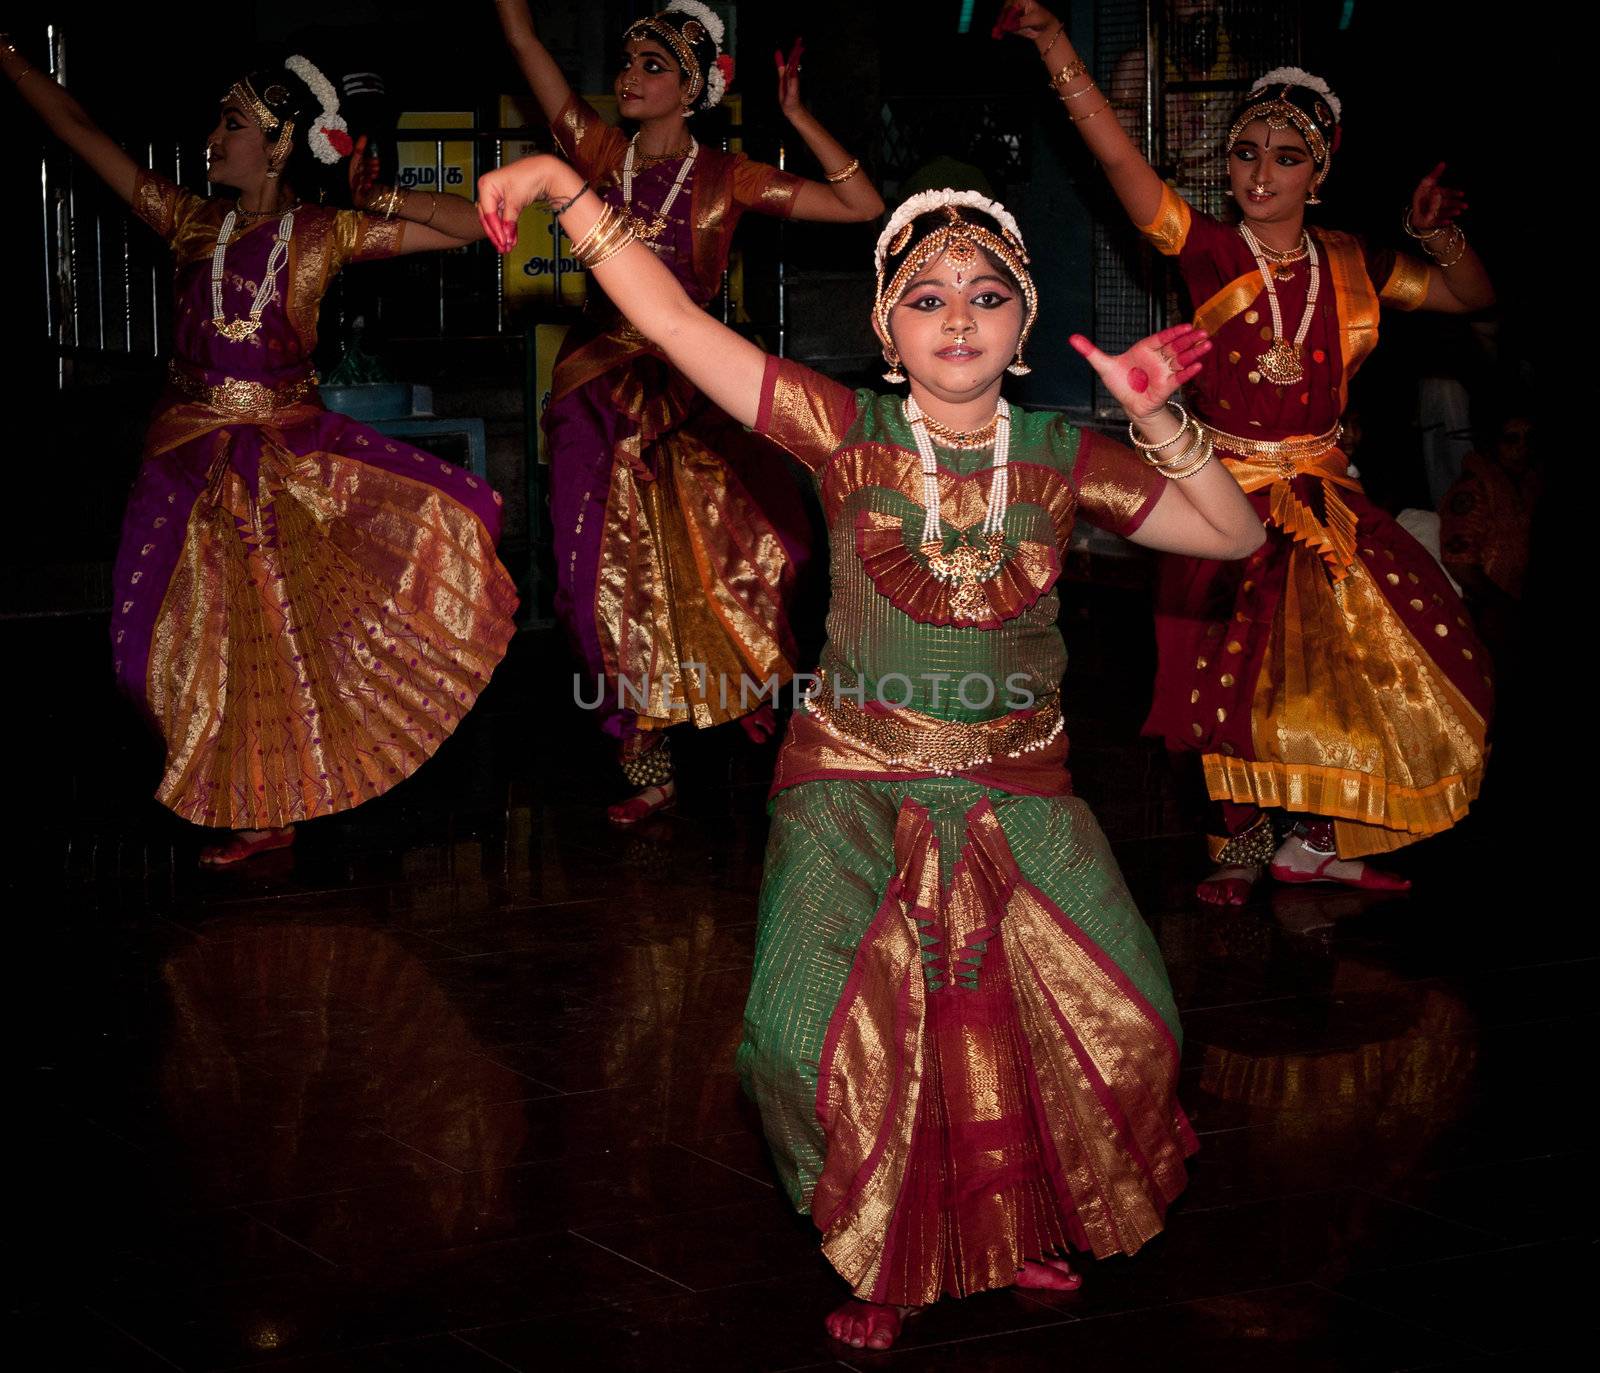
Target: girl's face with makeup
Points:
(1270, 172)
(956, 327)
(650, 83)
(236, 150)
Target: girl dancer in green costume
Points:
(960, 1033)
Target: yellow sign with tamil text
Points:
(431, 164)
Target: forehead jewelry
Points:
(962, 255)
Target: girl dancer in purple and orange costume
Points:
(305, 608)
(959, 1031)
(1333, 685)
(676, 535)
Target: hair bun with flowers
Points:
(329, 136)
(1297, 76)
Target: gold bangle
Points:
(844, 173)
(433, 208)
(1050, 47)
(1073, 69)
(1205, 447)
(602, 221)
(611, 249)
(617, 237)
(1420, 235)
(1445, 257)
(1078, 95)
(1085, 118)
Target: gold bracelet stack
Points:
(1454, 249)
(608, 235)
(844, 173)
(1074, 69)
(1185, 464)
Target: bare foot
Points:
(1229, 885)
(760, 724)
(642, 805)
(867, 1324)
(1050, 1275)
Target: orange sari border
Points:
(1406, 813)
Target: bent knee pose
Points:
(1333, 685)
(959, 1033)
(305, 608)
(677, 538)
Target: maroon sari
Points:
(1335, 672)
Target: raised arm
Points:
(1202, 513)
(1132, 178)
(1459, 283)
(726, 367)
(69, 121)
(547, 81)
(848, 195)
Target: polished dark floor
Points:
(450, 1087)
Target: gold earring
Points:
(894, 376)
(1019, 368)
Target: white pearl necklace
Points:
(238, 330)
(994, 517)
(657, 223)
(1281, 362)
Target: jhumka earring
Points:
(280, 150)
(894, 376)
(1314, 198)
(1019, 368)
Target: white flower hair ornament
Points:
(329, 136)
(959, 241)
(717, 81)
(705, 14)
(1297, 76)
(926, 201)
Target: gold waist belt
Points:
(1287, 455)
(251, 400)
(909, 739)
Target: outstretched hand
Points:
(789, 78)
(1143, 378)
(1433, 206)
(363, 174)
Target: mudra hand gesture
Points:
(1434, 206)
(1149, 373)
(506, 192)
(789, 78)
(1027, 19)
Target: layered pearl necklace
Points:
(238, 330)
(1281, 364)
(967, 566)
(652, 228)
